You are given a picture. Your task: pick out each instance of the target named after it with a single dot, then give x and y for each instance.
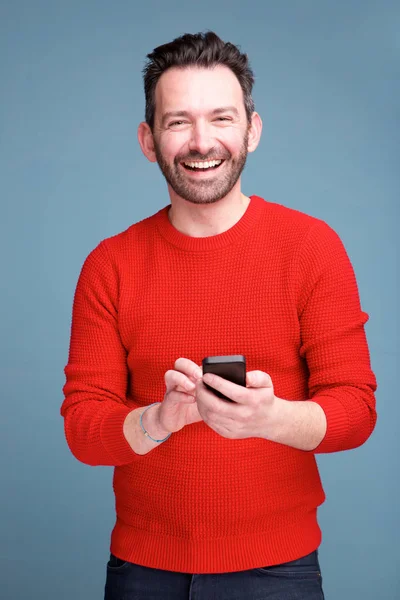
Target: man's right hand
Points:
(177, 409)
(179, 406)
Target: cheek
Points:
(175, 144)
(233, 139)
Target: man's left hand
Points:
(252, 412)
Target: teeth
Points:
(203, 165)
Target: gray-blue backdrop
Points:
(327, 87)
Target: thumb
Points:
(258, 379)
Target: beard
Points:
(209, 190)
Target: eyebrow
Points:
(185, 113)
(225, 109)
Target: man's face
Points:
(200, 132)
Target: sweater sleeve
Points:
(333, 341)
(95, 406)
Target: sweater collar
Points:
(202, 244)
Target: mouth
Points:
(202, 166)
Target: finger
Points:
(258, 379)
(209, 402)
(180, 397)
(175, 379)
(179, 388)
(189, 368)
(235, 392)
(193, 415)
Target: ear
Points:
(255, 129)
(146, 141)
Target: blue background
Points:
(71, 174)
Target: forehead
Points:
(198, 89)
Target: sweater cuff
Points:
(113, 439)
(337, 425)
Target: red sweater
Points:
(277, 287)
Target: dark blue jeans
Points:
(295, 580)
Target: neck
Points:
(204, 220)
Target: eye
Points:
(223, 119)
(176, 123)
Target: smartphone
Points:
(232, 368)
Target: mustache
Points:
(212, 154)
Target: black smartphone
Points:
(232, 368)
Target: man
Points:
(214, 499)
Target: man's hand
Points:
(257, 412)
(177, 409)
(250, 415)
(179, 406)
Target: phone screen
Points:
(231, 367)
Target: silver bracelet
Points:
(146, 433)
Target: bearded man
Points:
(215, 499)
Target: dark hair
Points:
(202, 50)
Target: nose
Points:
(200, 139)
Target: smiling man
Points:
(215, 499)
(202, 164)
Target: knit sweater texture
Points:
(277, 287)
